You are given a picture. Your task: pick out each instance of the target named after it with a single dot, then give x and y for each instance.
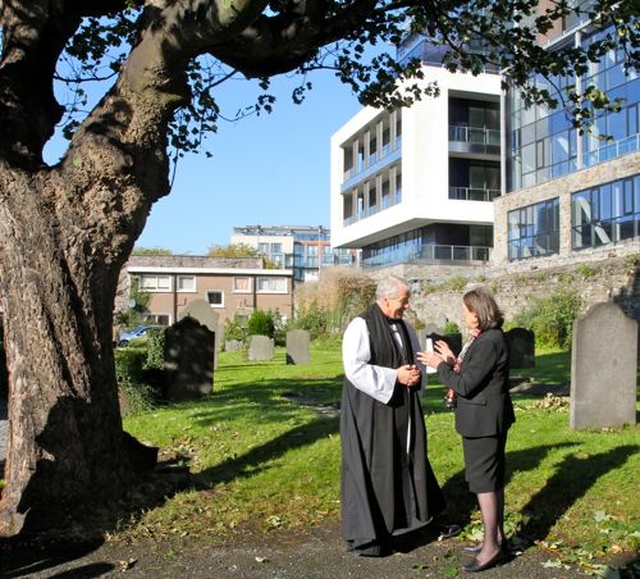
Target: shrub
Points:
(551, 318)
(261, 323)
(451, 328)
(235, 329)
(132, 376)
(313, 319)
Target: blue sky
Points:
(271, 169)
(266, 170)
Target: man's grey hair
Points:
(390, 287)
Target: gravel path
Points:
(316, 554)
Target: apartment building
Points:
(304, 249)
(230, 286)
(417, 184)
(571, 196)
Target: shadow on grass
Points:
(257, 458)
(462, 503)
(572, 479)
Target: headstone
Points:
(233, 345)
(260, 348)
(454, 341)
(522, 345)
(189, 353)
(298, 346)
(202, 311)
(604, 362)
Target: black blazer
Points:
(484, 406)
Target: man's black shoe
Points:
(448, 531)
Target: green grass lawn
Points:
(264, 452)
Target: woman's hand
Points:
(429, 358)
(442, 348)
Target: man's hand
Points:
(408, 375)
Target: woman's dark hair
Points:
(481, 303)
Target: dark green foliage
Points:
(139, 383)
(261, 323)
(552, 318)
(313, 319)
(451, 328)
(235, 329)
(155, 349)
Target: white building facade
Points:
(417, 184)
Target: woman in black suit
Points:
(478, 382)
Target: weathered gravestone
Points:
(260, 348)
(522, 347)
(189, 351)
(604, 360)
(233, 345)
(202, 311)
(298, 346)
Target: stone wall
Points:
(436, 300)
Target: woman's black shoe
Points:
(475, 567)
(504, 546)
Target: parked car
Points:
(134, 334)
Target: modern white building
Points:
(417, 184)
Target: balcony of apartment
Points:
(430, 253)
(474, 140)
(610, 151)
(388, 154)
(473, 194)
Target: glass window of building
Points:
(216, 298)
(186, 283)
(559, 148)
(606, 214)
(155, 283)
(272, 285)
(534, 230)
(242, 285)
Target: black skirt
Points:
(484, 462)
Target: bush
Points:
(235, 329)
(132, 375)
(313, 319)
(451, 328)
(261, 323)
(551, 318)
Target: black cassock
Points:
(386, 489)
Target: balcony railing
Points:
(475, 135)
(612, 150)
(473, 194)
(429, 253)
(389, 152)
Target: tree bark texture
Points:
(66, 231)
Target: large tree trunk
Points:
(65, 432)
(66, 233)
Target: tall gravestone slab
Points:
(202, 311)
(522, 348)
(604, 360)
(189, 351)
(298, 346)
(260, 348)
